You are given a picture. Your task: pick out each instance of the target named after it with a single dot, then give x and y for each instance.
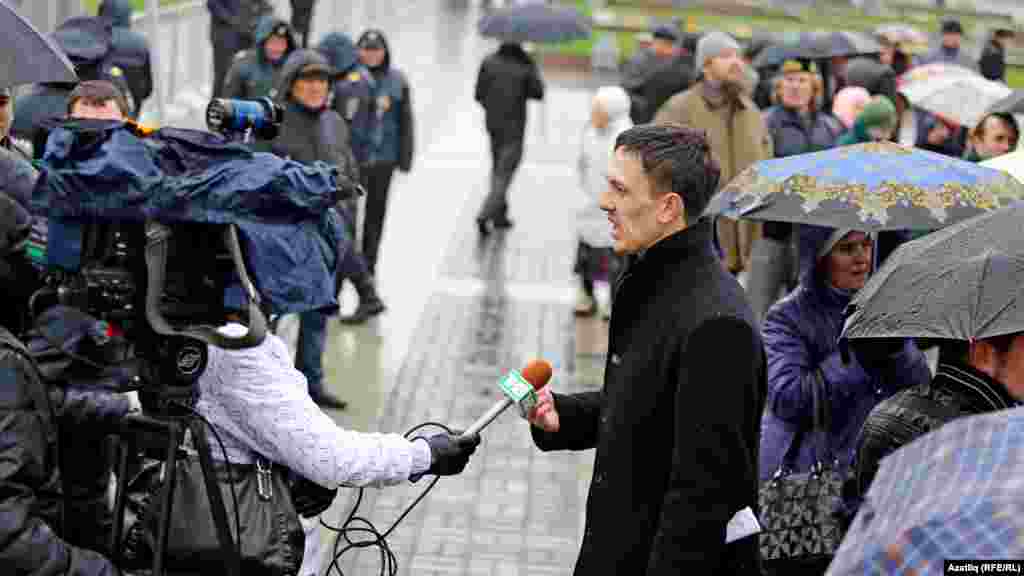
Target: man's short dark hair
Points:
(97, 93)
(676, 159)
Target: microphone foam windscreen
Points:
(537, 373)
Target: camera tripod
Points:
(167, 432)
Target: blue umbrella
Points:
(535, 22)
(870, 187)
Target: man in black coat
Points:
(992, 63)
(677, 423)
(657, 74)
(507, 79)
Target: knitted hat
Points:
(848, 103)
(878, 113)
(713, 44)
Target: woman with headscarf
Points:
(801, 336)
(609, 116)
(875, 123)
(849, 103)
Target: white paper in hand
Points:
(741, 525)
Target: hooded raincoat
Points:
(801, 335)
(252, 75)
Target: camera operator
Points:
(259, 404)
(40, 526)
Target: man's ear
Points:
(671, 208)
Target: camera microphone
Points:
(518, 387)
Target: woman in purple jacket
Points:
(801, 335)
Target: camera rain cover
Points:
(291, 236)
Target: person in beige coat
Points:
(718, 104)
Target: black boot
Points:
(370, 304)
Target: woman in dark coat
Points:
(801, 333)
(797, 126)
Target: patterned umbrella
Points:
(965, 99)
(934, 70)
(870, 187)
(955, 493)
(535, 22)
(909, 39)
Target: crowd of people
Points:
(799, 281)
(677, 459)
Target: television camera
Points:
(162, 302)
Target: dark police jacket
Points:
(676, 426)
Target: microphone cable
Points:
(358, 532)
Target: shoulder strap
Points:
(820, 424)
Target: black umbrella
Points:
(794, 46)
(964, 282)
(30, 56)
(535, 22)
(1012, 104)
(844, 44)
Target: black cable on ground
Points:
(357, 526)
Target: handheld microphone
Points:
(518, 388)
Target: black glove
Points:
(310, 498)
(876, 352)
(449, 453)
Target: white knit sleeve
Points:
(265, 403)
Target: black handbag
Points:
(799, 532)
(271, 540)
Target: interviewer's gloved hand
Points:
(310, 498)
(449, 453)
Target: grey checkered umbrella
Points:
(963, 282)
(955, 493)
(535, 22)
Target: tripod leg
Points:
(167, 497)
(119, 504)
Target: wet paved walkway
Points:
(462, 312)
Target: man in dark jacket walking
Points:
(232, 27)
(302, 16)
(507, 79)
(129, 51)
(676, 429)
